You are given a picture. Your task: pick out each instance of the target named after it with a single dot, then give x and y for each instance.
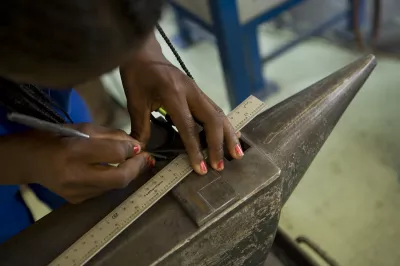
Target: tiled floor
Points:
(349, 200)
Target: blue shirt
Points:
(14, 215)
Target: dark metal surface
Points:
(206, 197)
(288, 135)
(293, 131)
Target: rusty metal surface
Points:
(288, 135)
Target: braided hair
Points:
(30, 100)
(58, 43)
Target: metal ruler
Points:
(140, 201)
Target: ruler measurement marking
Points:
(145, 197)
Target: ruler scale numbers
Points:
(141, 200)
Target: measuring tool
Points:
(139, 202)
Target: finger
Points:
(99, 132)
(182, 118)
(96, 151)
(121, 176)
(231, 137)
(140, 121)
(231, 140)
(213, 126)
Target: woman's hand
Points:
(74, 168)
(150, 81)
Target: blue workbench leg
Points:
(183, 39)
(260, 87)
(229, 36)
(361, 14)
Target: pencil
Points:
(45, 126)
(59, 129)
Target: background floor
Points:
(349, 200)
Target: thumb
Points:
(140, 123)
(100, 132)
(132, 168)
(124, 173)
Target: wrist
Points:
(151, 52)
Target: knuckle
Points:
(219, 111)
(218, 149)
(176, 90)
(220, 119)
(190, 126)
(216, 119)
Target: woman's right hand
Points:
(74, 168)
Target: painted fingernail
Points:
(136, 150)
(151, 162)
(238, 150)
(203, 167)
(220, 165)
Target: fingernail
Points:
(136, 150)
(220, 165)
(238, 150)
(203, 167)
(151, 162)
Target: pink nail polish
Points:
(238, 150)
(150, 161)
(136, 150)
(203, 167)
(220, 165)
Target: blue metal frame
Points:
(238, 44)
(313, 32)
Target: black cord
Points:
(174, 51)
(181, 63)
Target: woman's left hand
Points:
(151, 81)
